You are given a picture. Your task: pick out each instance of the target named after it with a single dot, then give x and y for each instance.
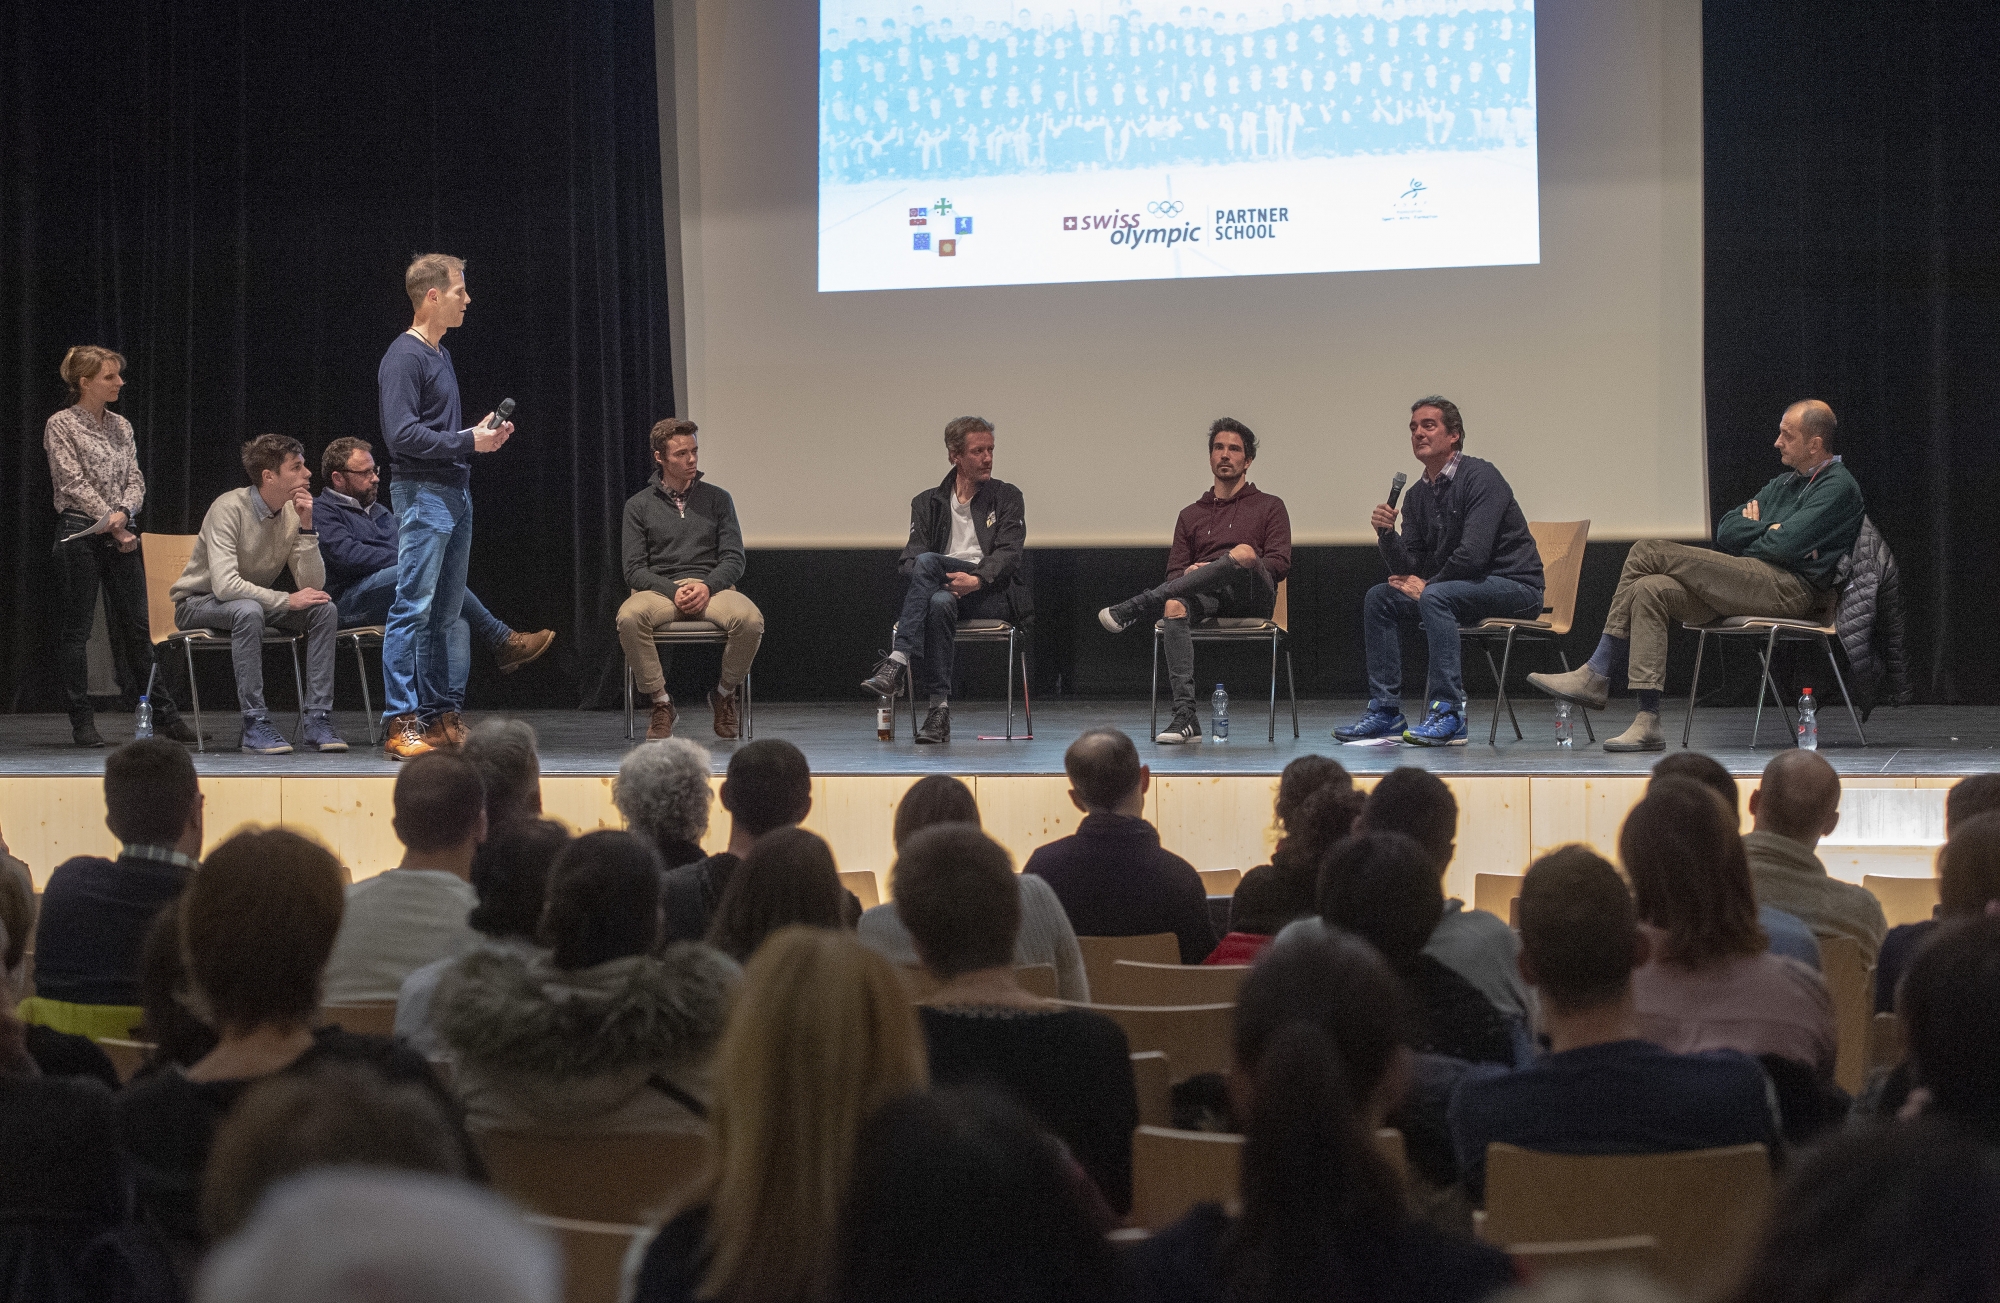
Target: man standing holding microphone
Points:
(431, 454)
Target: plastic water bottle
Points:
(1218, 714)
(1565, 728)
(885, 719)
(1808, 721)
(142, 718)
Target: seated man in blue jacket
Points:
(357, 540)
(1465, 555)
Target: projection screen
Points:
(1528, 245)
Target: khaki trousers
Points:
(1664, 582)
(644, 612)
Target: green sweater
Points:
(1804, 524)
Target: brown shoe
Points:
(446, 733)
(662, 723)
(520, 648)
(724, 706)
(406, 738)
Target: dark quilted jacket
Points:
(1870, 621)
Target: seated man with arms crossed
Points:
(963, 562)
(1232, 548)
(683, 556)
(1774, 556)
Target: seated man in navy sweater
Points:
(1601, 1090)
(1464, 555)
(1113, 877)
(357, 540)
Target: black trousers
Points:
(83, 569)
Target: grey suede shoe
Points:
(1582, 685)
(1644, 735)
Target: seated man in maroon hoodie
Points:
(1231, 549)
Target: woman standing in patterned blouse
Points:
(95, 466)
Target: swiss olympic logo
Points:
(1165, 207)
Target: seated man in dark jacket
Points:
(1113, 877)
(357, 541)
(1775, 555)
(1464, 555)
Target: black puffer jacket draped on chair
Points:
(1870, 621)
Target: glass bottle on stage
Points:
(1565, 726)
(1808, 721)
(1218, 714)
(885, 719)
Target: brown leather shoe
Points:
(446, 733)
(406, 738)
(724, 706)
(662, 723)
(521, 648)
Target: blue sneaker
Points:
(1376, 723)
(260, 739)
(319, 734)
(1443, 726)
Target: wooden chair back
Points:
(1702, 1207)
(1037, 979)
(1850, 979)
(1885, 1041)
(1153, 1077)
(593, 1256)
(1195, 1037)
(1131, 982)
(624, 1178)
(863, 884)
(1281, 608)
(1220, 882)
(1561, 546)
(1389, 1144)
(127, 1057)
(1099, 953)
(362, 1017)
(1903, 900)
(1496, 893)
(1636, 1253)
(1172, 1171)
(165, 555)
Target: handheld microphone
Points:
(506, 409)
(1395, 492)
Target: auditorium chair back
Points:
(1129, 981)
(1850, 980)
(1099, 953)
(623, 1178)
(593, 1256)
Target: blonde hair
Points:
(822, 1034)
(430, 271)
(83, 362)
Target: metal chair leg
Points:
(367, 700)
(1010, 683)
(1588, 731)
(1271, 732)
(1493, 733)
(299, 689)
(1827, 643)
(910, 685)
(1027, 701)
(1700, 646)
(1154, 730)
(628, 701)
(1770, 645)
(194, 691)
(749, 713)
(1506, 659)
(1292, 687)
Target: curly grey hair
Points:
(662, 790)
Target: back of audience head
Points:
(788, 877)
(1798, 797)
(334, 1114)
(1313, 825)
(1968, 797)
(604, 901)
(1706, 770)
(1418, 804)
(1305, 777)
(1969, 867)
(934, 799)
(1883, 1213)
(662, 790)
(821, 1035)
(1384, 888)
(170, 1026)
(958, 1197)
(503, 751)
(1690, 875)
(957, 895)
(768, 785)
(1320, 1055)
(1105, 776)
(257, 926)
(510, 872)
(1580, 937)
(361, 1236)
(1949, 1001)
(440, 804)
(152, 796)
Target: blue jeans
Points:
(1443, 608)
(368, 601)
(433, 547)
(929, 622)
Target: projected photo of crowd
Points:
(946, 90)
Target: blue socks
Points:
(1609, 658)
(1649, 699)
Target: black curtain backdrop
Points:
(229, 196)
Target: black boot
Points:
(173, 725)
(887, 680)
(83, 728)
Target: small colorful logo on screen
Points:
(943, 207)
(1069, 223)
(961, 226)
(947, 248)
(919, 212)
(921, 242)
(919, 221)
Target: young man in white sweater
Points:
(248, 538)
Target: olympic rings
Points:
(1165, 207)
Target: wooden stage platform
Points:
(1212, 803)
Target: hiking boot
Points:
(662, 723)
(1443, 726)
(887, 680)
(1644, 735)
(937, 724)
(260, 739)
(522, 648)
(1582, 685)
(83, 729)
(1185, 727)
(1376, 723)
(446, 732)
(405, 738)
(318, 734)
(723, 704)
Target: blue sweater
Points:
(1469, 528)
(353, 543)
(421, 422)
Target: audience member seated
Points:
(788, 877)
(768, 786)
(1601, 1089)
(821, 1035)
(1383, 887)
(1968, 884)
(510, 769)
(662, 790)
(603, 1033)
(958, 1198)
(1316, 807)
(1950, 1007)
(1113, 877)
(1908, 1211)
(257, 925)
(330, 1115)
(95, 911)
(1710, 983)
(346, 1235)
(415, 913)
(510, 875)
(55, 1054)
(1789, 936)
(1321, 1057)
(171, 1026)
(1796, 804)
(1070, 1068)
(1046, 936)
